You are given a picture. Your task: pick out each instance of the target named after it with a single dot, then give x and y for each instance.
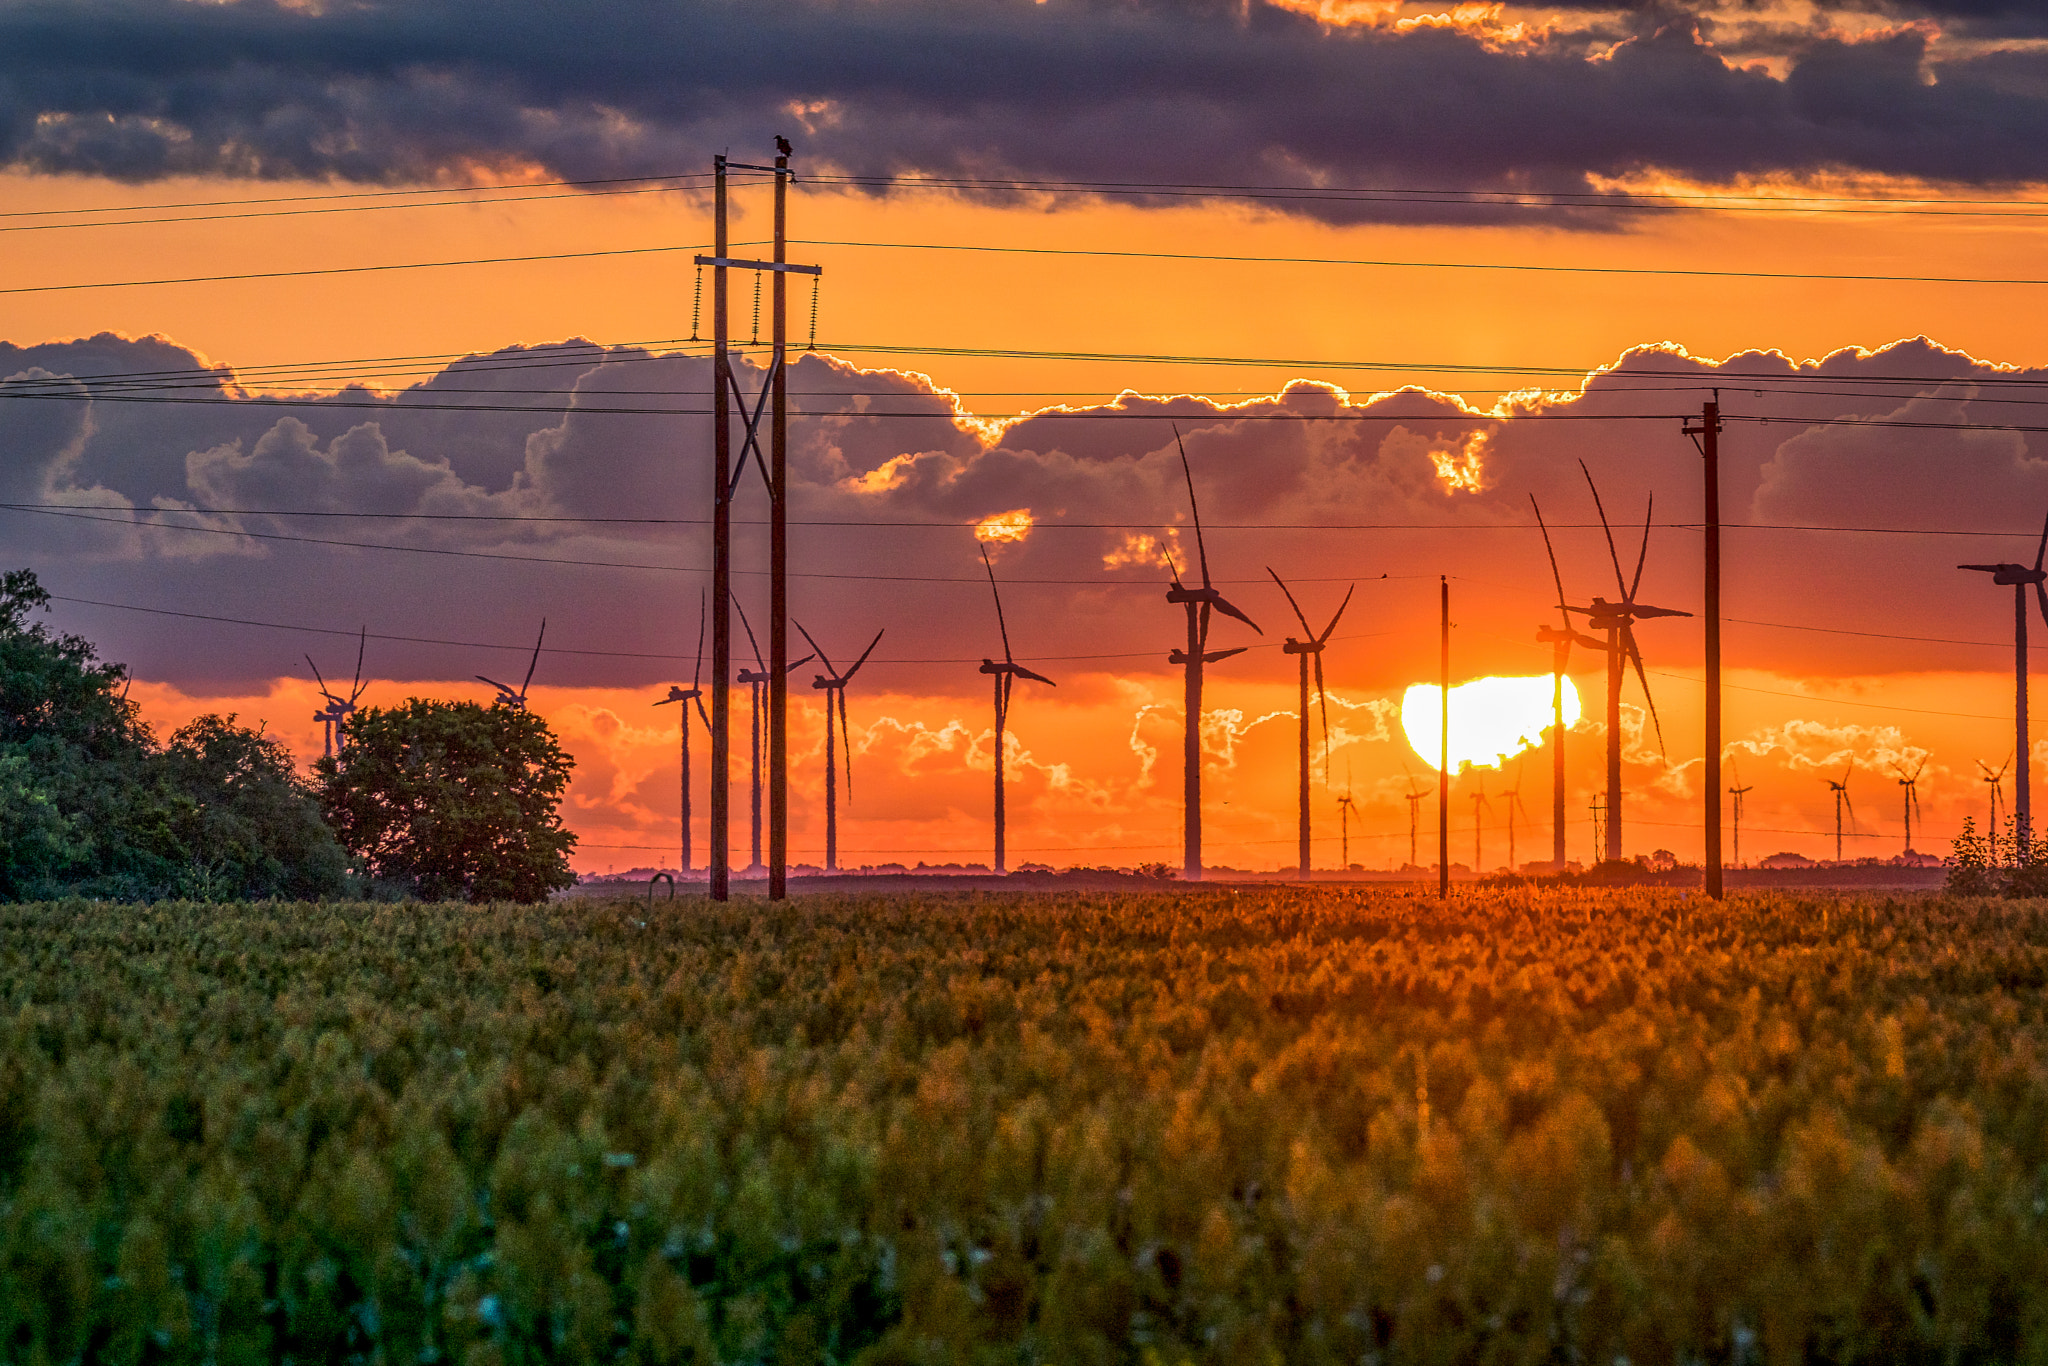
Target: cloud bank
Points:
(1155, 91)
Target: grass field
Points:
(1333, 1125)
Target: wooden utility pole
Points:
(720, 853)
(1443, 770)
(773, 463)
(778, 551)
(1708, 437)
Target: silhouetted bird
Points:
(782, 146)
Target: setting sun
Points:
(1492, 719)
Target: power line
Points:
(345, 270)
(1390, 264)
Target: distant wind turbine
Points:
(1841, 791)
(1910, 782)
(833, 685)
(1414, 795)
(1996, 781)
(2020, 578)
(517, 700)
(1199, 602)
(1560, 638)
(337, 709)
(1736, 792)
(693, 694)
(1310, 646)
(756, 680)
(1004, 676)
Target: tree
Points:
(252, 823)
(90, 805)
(446, 800)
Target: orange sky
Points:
(1083, 794)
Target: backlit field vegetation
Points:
(1251, 1127)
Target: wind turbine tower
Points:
(694, 694)
(1479, 805)
(2020, 578)
(833, 685)
(1003, 676)
(1560, 638)
(1310, 646)
(1199, 603)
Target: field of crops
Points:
(1197, 1126)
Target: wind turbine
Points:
(1737, 793)
(1003, 677)
(1413, 796)
(1997, 782)
(1513, 797)
(1560, 638)
(1310, 646)
(1199, 603)
(1346, 808)
(1479, 804)
(694, 693)
(757, 679)
(1618, 620)
(833, 685)
(337, 709)
(2019, 577)
(1910, 782)
(1841, 791)
(517, 700)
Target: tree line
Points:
(427, 799)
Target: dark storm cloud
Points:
(1073, 89)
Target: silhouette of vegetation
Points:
(1179, 1124)
(90, 804)
(2000, 865)
(451, 800)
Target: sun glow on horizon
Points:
(1492, 719)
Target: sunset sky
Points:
(1392, 269)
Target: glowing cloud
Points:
(1013, 525)
(1492, 719)
(1462, 469)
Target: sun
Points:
(1492, 719)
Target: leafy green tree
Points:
(91, 805)
(446, 800)
(252, 824)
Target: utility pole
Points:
(773, 464)
(778, 549)
(1707, 436)
(721, 556)
(1443, 771)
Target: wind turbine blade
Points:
(355, 689)
(1308, 632)
(1608, 531)
(496, 684)
(1921, 767)
(2042, 553)
(1023, 672)
(1202, 629)
(1001, 624)
(760, 665)
(1323, 699)
(1324, 638)
(1551, 551)
(796, 664)
(534, 663)
(822, 656)
(1649, 515)
(2041, 597)
(317, 678)
(705, 715)
(1201, 547)
(863, 656)
(1635, 657)
(1227, 610)
(703, 615)
(845, 743)
(1172, 569)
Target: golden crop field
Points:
(1201, 1125)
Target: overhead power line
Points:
(1392, 264)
